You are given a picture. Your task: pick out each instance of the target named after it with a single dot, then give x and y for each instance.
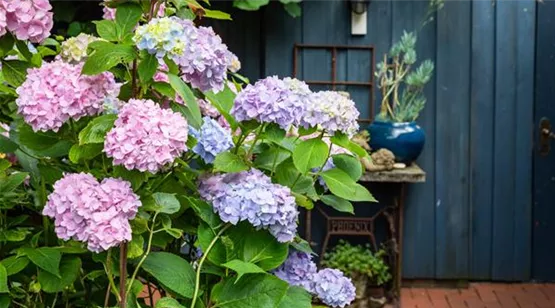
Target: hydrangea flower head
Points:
(74, 49)
(56, 92)
(251, 196)
(163, 36)
(27, 19)
(297, 270)
(331, 111)
(333, 288)
(205, 60)
(234, 63)
(96, 213)
(3, 22)
(272, 100)
(212, 139)
(110, 13)
(146, 137)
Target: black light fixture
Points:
(359, 6)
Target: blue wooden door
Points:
(543, 260)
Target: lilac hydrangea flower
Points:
(56, 92)
(251, 196)
(205, 60)
(146, 137)
(331, 111)
(333, 288)
(163, 36)
(212, 139)
(88, 211)
(297, 270)
(272, 100)
(27, 19)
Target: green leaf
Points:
(147, 68)
(127, 16)
(223, 101)
(69, 270)
(106, 55)
(136, 247)
(74, 28)
(250, 5)
(294, 9)
(5, 301)
(274, 133)
(46, 258)
(350, 164)
(136, 288)
(6, 145)
(14, 71)
(166, 203)
(24, 50)
(301, 245)
(168, 302)
(242, 268)
(12, 181)
(271, 158)
(216, 14)
(173, 272)
(193, 116)
(310, 154)
(14, 264)
(6, 44)
(3, 280)
(288, 175)
(256, 290)
(341, 185)
(343, 141)
(14, 235)
(106, 29)
(204, 211)
(217, 254)
(96, 130)
(230, 163)
(135, 177)
(260, 247)
(79, 153)
(303, 201)
(338, 203)
(164, 89)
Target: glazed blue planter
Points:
(405, 140)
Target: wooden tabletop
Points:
(410, 174)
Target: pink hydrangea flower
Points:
(88, 211)
(56, 92)
(28, 19)
(110, 13)
(3, 22)
(146, 137)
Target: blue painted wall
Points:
(472, 218)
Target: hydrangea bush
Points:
(138, 157)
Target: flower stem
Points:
(123, 275)
(108, 269)
(201, 262)
(145, 255)
(256, 138)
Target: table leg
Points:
(399, 263)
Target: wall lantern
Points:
(359, 16)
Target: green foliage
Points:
(358, 260)
(398, 77)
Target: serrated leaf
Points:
(96, 130)
(106, 55)
(168, 302)
(341, 185)
(6, 145)
(106, 29)
(242, 268)
(271, 158)
(349, 164)
(338, 203)
(256, 290)
(216, 14)
(296, 297)
(46, 258)
(69, 270)
(127, 16)
(309, 154)
(230, 163)
(294, 9)
(135, 177)
(14, 264)
(79, 153)
(193, 115)
(147, 68)
(14, 71)
(167, 203)
(136, 247)
(172, 271)
(6, 44)
(13, 181)
(3, 280)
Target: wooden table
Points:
(365, 226)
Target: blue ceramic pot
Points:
(406, 140)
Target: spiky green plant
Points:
(401, 86)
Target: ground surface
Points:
(482, 295)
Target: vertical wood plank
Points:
(544, 166)
(524, 117)
(504, 163)
(452, 140)
(481, 135)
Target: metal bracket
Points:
(545, 136)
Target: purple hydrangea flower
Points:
(331, 111)
(297, 270)
(96, 213)
(146, 137)
(212, 139)
(272, 100)
(251, 196)
(205, 60)
(333, 288)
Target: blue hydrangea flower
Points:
(272, 100)
(163, 36)
(251, 196)
(212, 139)
(297, 270)
(333, 288)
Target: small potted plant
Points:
(402, 101)
(367, 270)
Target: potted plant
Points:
(368, 270)
(402, 101)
